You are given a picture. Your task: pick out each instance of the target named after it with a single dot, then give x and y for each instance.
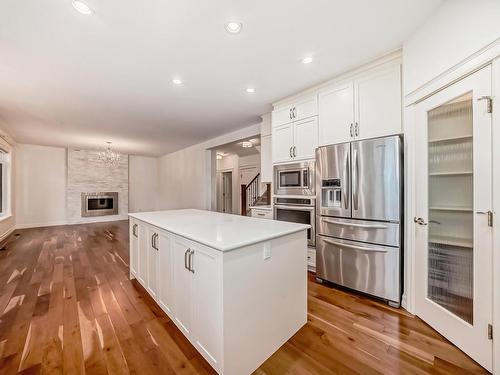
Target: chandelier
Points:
(108, 156)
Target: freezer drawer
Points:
(372, 269)
(359, 230)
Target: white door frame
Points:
(488, 55)
(496, 210)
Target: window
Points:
(5, 173)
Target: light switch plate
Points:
(267, 250)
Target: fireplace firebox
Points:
(99, 204)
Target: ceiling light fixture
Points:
(219, 157)
(250, 90)
(246, 144)
(177, 81)
(307, 60)
(81, 7)
(234, 27)
(108, 156)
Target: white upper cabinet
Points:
(302, 108)
(378, 105)
(305, 135)
(295, 130)
(336, 114)
(367, 106)
(282, 140)
(305, 107)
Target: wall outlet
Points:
(267, 250)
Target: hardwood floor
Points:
(67, 306)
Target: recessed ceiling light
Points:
(246, 144)
(250, 90)
(82, 7)
(233, 27)
(177, 81)
(307, 60)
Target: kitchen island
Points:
(235, 286)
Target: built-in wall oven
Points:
(298, 210)
(294, 179)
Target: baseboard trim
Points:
(72, 222)
(9, 231)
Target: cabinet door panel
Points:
(134, 247)
(152, 280)
(306, 107)
(207, 303)
(266, 162)
(182, 286)
(282, 115)
(305, 138)
(165, 287)
(378, 104)
(142, 256)
(336, 114)
(282, 141)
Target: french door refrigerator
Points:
(359, 216)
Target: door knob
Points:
(419, 221)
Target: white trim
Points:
(496, 210)
(7, 233)
(73, 222)
(476, 61)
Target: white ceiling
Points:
(237, 149)
(72, 80)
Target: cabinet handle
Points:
(294, 153)
(294, 112)
(156, 242)
(153, 241)
(350, 131)
(356, 129)
(185, 258)
(290, 152)
(134, 230)
(191, 261)
(290, 113)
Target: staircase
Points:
(250, 195)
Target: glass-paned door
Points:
(453, 196)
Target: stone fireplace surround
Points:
(86, 173)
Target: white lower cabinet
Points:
(185, 279)
(206, 264)
(166, 262)
(152, 261)
(134, 247)
(183, 286)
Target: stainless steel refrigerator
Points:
(359, 187)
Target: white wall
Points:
(458, 29)
(143, 183)
(40, 185)
(187, 176)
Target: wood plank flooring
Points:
(67, 306)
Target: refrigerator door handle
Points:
(355, 225)
(347, 177)
(355, 181)
(354, 247)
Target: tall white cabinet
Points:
(366, 106)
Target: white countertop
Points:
(220, 231)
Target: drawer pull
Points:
(355, 225)
(354, 247)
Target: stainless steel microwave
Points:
(294, 179)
